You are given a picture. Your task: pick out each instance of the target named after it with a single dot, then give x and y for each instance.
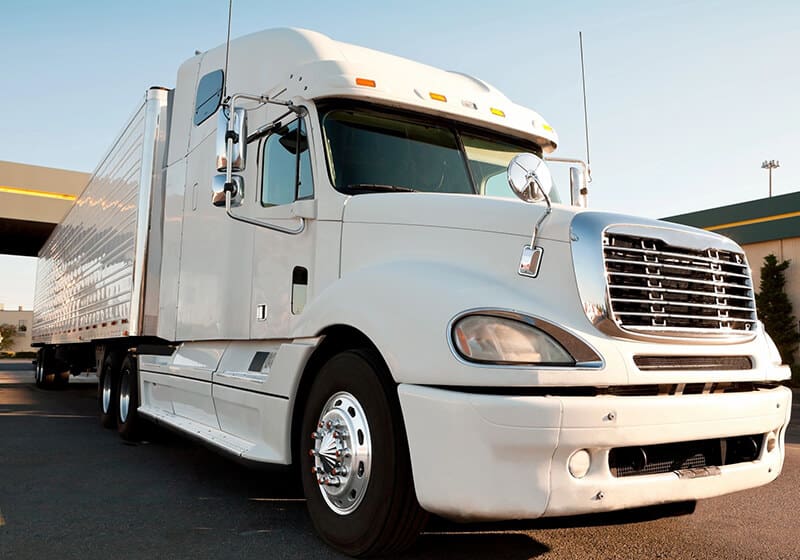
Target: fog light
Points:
(772, 441)
(579, 463)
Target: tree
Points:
(775, 309)
(7, 334)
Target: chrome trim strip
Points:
(585, 356)
(154, 142)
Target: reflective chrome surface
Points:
(529, 177)
(146, 261)
(579, 178)
(106, 399)
(239, 149)
(585, 356)
(588, 232)
(124, 395)
(530, 261)
(218, 190)
(342, 453)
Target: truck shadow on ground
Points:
(276, 491)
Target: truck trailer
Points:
(312, 253)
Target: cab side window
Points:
(287, 166)
(209, 95)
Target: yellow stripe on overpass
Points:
(34, 192)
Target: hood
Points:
(459, 211)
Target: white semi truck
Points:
(308, 253)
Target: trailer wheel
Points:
(354, 458)
(129, 423)
(107, 391)
(44, 376)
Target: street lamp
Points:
(770, 165)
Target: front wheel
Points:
(355, 463)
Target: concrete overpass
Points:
(33, 200)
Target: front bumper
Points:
(491, 457)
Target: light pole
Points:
(770, 165)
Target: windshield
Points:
(370, 150)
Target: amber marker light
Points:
(34, 192)
(498, 112)
(438, 97)
(463, 343)
(365, 82)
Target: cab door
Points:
(284, 255)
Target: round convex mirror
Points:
(529, 177)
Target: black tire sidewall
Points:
(129, 428)
(354, 372)
(108, 419)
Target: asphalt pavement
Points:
(70, 489)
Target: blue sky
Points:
(686, 99)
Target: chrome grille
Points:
(657, 287)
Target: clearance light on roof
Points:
(498, 112)
(547, 127)
(438, 97)
(469, 104)
(365, 82)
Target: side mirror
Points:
(577, 187)
(529, 177)
(239, 139)
(218, 190)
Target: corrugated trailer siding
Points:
(84, 281)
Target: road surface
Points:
(70, 489)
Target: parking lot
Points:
(70, 489)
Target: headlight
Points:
(496, 340)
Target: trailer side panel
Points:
(90, 280)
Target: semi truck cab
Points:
(313, 253)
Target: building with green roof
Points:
(761, 227)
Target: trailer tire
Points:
(107, 399)
(44, 376)
(129, 423)
(370, 507)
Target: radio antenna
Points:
(228, 48)
(585, 112)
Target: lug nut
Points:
(320, 425)
(312, 452)
(315, 435)
(328, 424)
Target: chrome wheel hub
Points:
(39, 371)
(106, 392)
(342, 453)
(124, 395)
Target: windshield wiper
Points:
(374, 187)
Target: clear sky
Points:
(686, 99)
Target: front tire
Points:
(356, 470)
